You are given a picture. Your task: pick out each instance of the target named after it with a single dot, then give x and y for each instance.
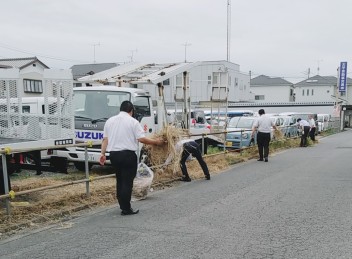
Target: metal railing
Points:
(10, 194)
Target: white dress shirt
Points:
(123, 132)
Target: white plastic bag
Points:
(143, 181)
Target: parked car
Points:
(323, 122)
(303, 116)
(239, 132)
(279, 123)
(221, 118)
(286, 124)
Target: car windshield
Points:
(241, 122)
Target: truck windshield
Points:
(98, 105)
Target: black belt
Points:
(126, 150)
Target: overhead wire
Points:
(5, 46)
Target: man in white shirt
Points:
(189, 148)
(122, 133)
(312, 127)
(305, 126)
(263, 127)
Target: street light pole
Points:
(228, 29)
(94, 45)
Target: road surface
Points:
(298, 205)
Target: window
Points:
(26, 109)
(312, 91)
(302, 92)
(166, 82)
(142, 107)
(259, 97)
(32, 86)
(307, 92)
(209, 80)
(109, 104)
(215, 79)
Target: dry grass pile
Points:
(278, 135)
(51, 205)
(157, 155)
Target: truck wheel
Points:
(81, 166)
(147, 158)
(59, 163)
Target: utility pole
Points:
(186, 45)
(228, 29)
(318, 69)
(132, 51)
(94, 45)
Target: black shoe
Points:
(207, 176)
(186, 179)
(260, 159)
(266, 160)
(129, 212)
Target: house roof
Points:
(20, 62)
(263, 80)
(83, 70)
(5, 66)
(318, 81)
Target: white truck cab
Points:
(92, 107)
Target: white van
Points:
(323, 122)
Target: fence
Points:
(335, 127)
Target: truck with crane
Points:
(94, 105)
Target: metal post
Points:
(202, 144)
(87, 170)
(225, 136)
(185, 110)
(241, 143)
(6, 182)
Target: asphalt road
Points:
(298, 205)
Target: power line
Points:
(39, 55)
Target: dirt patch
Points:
(43, 207)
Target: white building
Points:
(272, 89)
(321, 89)
(205, 79)
(33, 78)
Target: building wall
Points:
(32, 72)
(320, 93)
(272, 93)
(201, 81)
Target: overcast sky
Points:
(281, 38)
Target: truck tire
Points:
(81, 166)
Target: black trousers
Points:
(125, 163)
(312, 133)
(304, 136)
(192, 148)
(263, 140)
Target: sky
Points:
(277, 38)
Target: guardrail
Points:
(11, 194)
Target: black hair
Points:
(126, 106)
(299, 119)
(261, 112)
